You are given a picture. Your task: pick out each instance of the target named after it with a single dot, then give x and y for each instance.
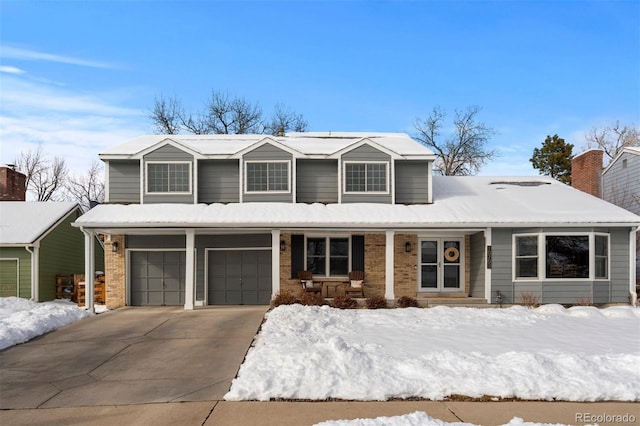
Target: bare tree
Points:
(612, 139)
(44, 177)
(87, 188)
(166, 115)
(232, 115)
(285, 120)
(464, 151)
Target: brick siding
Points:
(115, 277)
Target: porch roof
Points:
(458, 202)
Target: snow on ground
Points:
(23, 319)
(575, 354)
(418, 418)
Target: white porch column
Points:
(190, 265)
(275, 262)
(89, 269)
(388, 266)
(487, 269)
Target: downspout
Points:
(35, 273)
(632, 265)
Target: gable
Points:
(168, 153)
(267, 151)
(365, 152)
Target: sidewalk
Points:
(220, 413)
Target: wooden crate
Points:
(65, 287)
(99, 289)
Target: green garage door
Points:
(239, 277)
(8, 277)
(157, 277)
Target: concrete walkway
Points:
(167, 366)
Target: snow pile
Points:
(22, 319)
(576, 354)
(418, 418)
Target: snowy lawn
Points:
(23, 319)
(548, 353)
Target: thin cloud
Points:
(11, 70)
(32, 55)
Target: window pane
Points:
(256, 177)
(278, 177)
(178, 177)
(158, 178)
(338, 266)
(355, 178)
(429, 276)
(527, 267)
(376, 177)
(429, 251)
(452, 252)
(316, 256)
(339, 256)
(452, 276)
(339, 246)
(601, 245)
(527, 246)
(601, 267)
(567, 256)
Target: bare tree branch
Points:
(612, 139)
(464, 152)
(166, 115)
(44, 177)
(285, 120)
(87, 188)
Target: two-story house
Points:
(231, 219)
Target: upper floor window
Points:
(168, 177)
(270, 176)
(366, 177)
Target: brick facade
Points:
(374, 264)
(12, 185)
(586, 172)
(406, 264)
(115, 278)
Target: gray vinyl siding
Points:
(268, 152)
(124, 181)
(218, 181)
(412, 182)
(204, 242)
(613, 290)
(477, 266)
(169, 153)
(317, 181)
(367, 153)
(621, 186)
(156, 241)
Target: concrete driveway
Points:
(132, 355)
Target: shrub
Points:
(312, 299)
(529, 300)
(344, 301)
(407, 302)
(376, 302)
(285, 298)
(584, 301)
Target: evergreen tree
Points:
(554, 159)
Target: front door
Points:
(441, 266)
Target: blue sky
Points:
(81, 76)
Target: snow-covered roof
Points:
(24, 222)
(458, 202)
(315, 143)
(633, 150)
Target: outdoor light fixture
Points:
(114, 247)
(283, 245)
(407, 247)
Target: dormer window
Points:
(366, 177)
(272, 176)
(168, 177)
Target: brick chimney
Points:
(586, 172)
(12, 184)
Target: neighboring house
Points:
(617, 183)
(231, 219)
(37, 242)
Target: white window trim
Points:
(146, 178)
(327, 237)
(344, 178)
(542, 257)
(246, 179)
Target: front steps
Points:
(453, 302)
